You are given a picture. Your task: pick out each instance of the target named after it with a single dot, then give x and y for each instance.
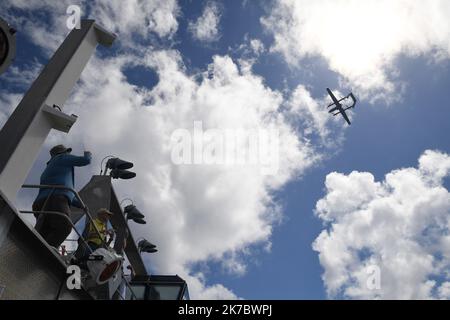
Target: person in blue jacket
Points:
(59, 171)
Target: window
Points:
(164, 292)
(139, 292)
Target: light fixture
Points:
(103, 265)
(146, 246)
(116, 163)
(7, 45)
(122, 174)
(139, 221)
(132, 213)
(118, 168)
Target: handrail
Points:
(127, 284)
(84, 207)
(81, 237)
(61, 215)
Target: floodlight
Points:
(119, 168)
(146, 243)
(116, 163)
(103, 264)
(132, 213)
(146, 246)
(122, 174)
(139, 220)
(7, 45)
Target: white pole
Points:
(23, 135)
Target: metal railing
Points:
(77, 196)
(63, 216)
(67, 218)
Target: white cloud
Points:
(312, 118)
(196, 213)
(401, 225)
(139, 17)
(125, 18)
(206, 27)
(8, 101)
(248, 51)
(47, 33)
(312, 112)
(257, 46)
(22, 76)
(444, 291)
(198, 289)
(361, 40)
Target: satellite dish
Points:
(7, 45)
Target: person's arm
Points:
(76, 161)
(110, 232)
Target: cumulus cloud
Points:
(311, 117)
(198, 289)
(137, 16)
(399, 226)
(206, 27)
(8, 101)
(361, 40)
(248, 52)
(444, 291)
(22, 76)
(47, 33)
(126, 18)
(257, 46)
(197, 213)
(309, 110)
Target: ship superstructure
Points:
(29, 267)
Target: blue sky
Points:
(402, 86)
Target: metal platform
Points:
(29, 267)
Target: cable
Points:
(101, 163)
(125, 200)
